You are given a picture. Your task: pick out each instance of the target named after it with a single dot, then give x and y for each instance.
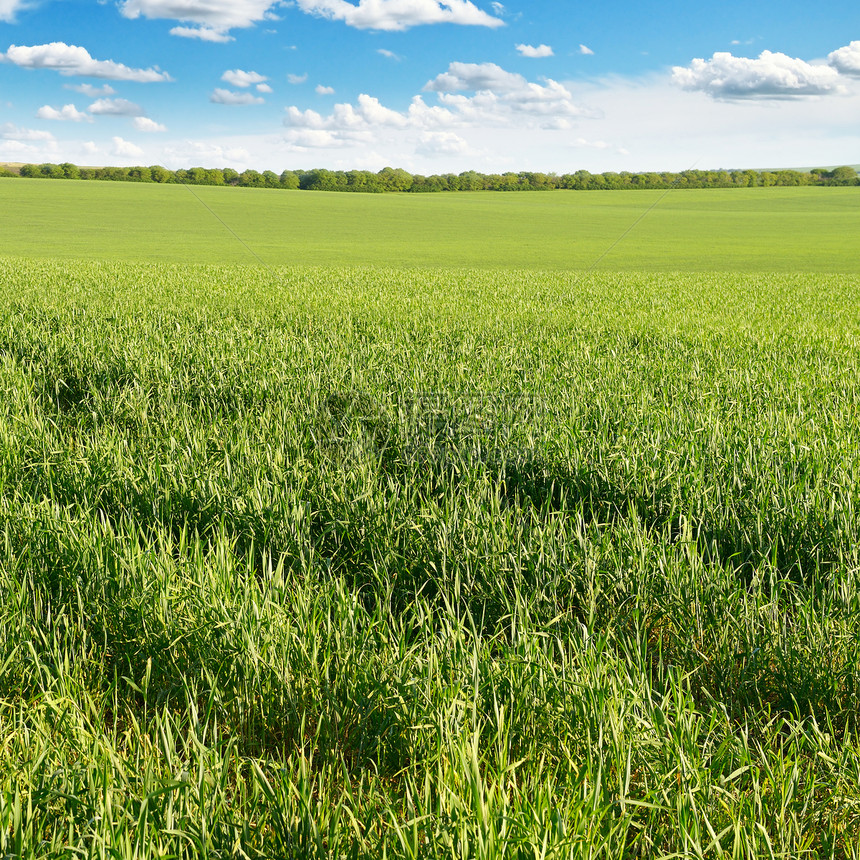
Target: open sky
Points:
(432, 86)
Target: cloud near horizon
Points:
(501, 100)
(10, 131)
(772, 76)
(73, 60)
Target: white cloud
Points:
(664, 127)
(847, 59)
(8, 9)
(228, 97)
(320, 90)
(67, 113)
(441, 143)
(499, 95)
(771, 76)
(20, 150)
(239, 78)
(205, 34)
(8, 131)
(264, 88)
(72, 60)
(144, 123)
(535, 52)
(297, 79)
(116, 107)
(498, 8)
(516, 104)
(585, 50)
(389, 54)
(399, 14)
(213, 18)
(317, 138)
(208, 153)
(125, 149)
(475, 77)
(90, 90)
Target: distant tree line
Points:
(391, 179)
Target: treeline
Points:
(391, 179)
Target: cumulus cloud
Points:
(499, 94)
(399, 14)
(535, 52)
(144, 123)
(73, 60)
(228, 97)
(116, 107)
(319, 138)
(67, 113)
(297, 79)
(846, 60)
(476, 77)
(8, 9)
(90, 90)
(323, 91)
(513, 103)
(212, 18)
(125, 149)
(205, 34)
(263, 88)
(9, 131)
(441, 143)
(239, 78)
(207, 152)
(771, 76)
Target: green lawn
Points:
(775, 230)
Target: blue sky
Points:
(431, 86)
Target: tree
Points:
(157, 173)
(140, 174)
(289, 180)
(251, 179)
(843, 176)
(395, 180)
(471, 181)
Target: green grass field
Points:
(769, 230)
(426, 561)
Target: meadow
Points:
(428, 560)
(739, 229)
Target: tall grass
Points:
(361, 563)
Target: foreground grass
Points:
(344, 562)
(743, 230)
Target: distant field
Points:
(777, 230)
